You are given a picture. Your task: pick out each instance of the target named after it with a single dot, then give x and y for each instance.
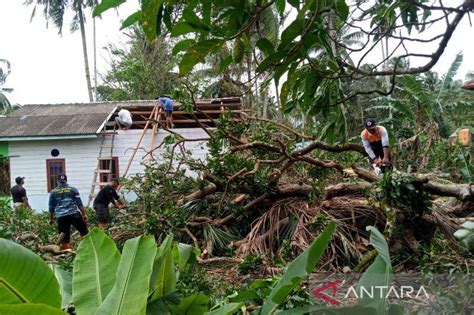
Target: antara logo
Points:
(381, 292)
(372, 292)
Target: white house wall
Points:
(29, 159)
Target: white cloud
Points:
(46, 67)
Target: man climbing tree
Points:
(107, 195)
(375, 141)
(65, 201)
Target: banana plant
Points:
(140, 280)
(103, 281)
(378, 274)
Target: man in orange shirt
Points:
(375, 141)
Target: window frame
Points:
(48, 171)
(116, 162)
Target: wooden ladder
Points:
(153, 119)
(105, 154)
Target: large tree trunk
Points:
(84, 50)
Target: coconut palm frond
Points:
(219, 238)
(268, 24)
(449, 76)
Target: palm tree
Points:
(54, 11)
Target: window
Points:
(4, 176)
(114, 169)
(54, 168)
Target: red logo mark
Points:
(331, 285)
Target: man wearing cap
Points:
(19, 194)
(167, 105)
(65, 201)
(375, 141)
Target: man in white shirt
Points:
(124, 118)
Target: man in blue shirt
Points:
(167, 106)
(65, 201)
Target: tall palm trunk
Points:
(84, 50)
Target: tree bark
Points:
(84, 50)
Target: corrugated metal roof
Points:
(78, 119)
(55, 120)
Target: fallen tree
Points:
(264, 186)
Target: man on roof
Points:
(375, 141)
(65, 202)
(167, 105)
(124, 118)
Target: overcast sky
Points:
(48, 68)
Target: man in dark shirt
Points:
(107, 195)
(65, 202)
(19, 194)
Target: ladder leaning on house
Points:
(106, 152)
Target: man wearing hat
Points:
(19, 194)
(65, 201)
(375, 141)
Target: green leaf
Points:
(94, 271)
(298, 270)
(150, 10)
(227, 309)
(181, 254)
(280, 6)
(246, 295)
(65, 283)
(196, 54)
(328, 132)
(106, 5)
(29, 309)
(163, 278)
(182, 45)
(265, 46)
(342, 9)
(190, 17)
(130, 292)
(238, 50)
(225, 63)
(195, 304)
(291, 32)
(132, 19)
(182, 28)
(25, 277)
(449, 76)
(377, 240)
(285, 89)
(378, 274)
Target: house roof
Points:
(469, 85)
(85, 119)
(55, 120)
